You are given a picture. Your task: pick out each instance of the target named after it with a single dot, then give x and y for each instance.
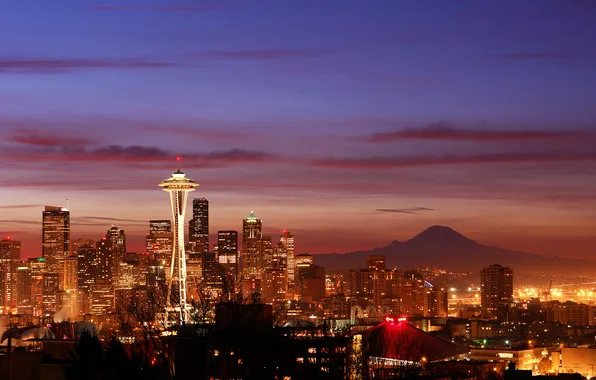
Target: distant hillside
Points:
(445, 248)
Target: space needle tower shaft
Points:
(178, 186)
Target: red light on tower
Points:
(9, 238)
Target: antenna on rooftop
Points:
(67, 204)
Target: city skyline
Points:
(480, 118)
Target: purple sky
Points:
(350, 123)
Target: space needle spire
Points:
(178, 185)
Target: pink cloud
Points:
(445, 131)
(39, 138)
(57, 65)
(403, 162)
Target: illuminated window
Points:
(325, 369)
(312, 350)
(215, 352)
(239, 361)
(312, 360)
(325, 350)
(299, 360)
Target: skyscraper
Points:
(50, 284)
(496, 292)
(86, 265)
(435, 302)
(178, 186)
(199, 225)
(117, 240)
(227, 251)
(412, 293)
(56, 235)
(10, 261)
(252, 256)
(104, 262)
(159, 241)
(23, 290)
(287, 239)
(70, 268)
(38, 267)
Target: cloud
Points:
(203, 133)
(19, 206)
(20, 221)
(111, 219)
(149, 8)
(537, 55)
(413, 210)
(44, 138)
(445, 131)
(403, 162)
(136, 155)
(60, 65)
(264, 54)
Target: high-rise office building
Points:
(38, 267)
(178, 186)
(435, 302)
(10, 261)
(274, 285)
(287, 240)
(50, 288)
(310, 282)
(101, 299)
(279, 259)
(104, 262)
(117, 240)
(199, 225)
(252, 256)
(360, 282)
(70, 269)
(23, 290)
(215, 279)
(496, 291)
(55, 236)
(386, 290)
(159, 241)
(227, 251)
(412, 293)
(86, 265)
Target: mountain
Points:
(442, 247)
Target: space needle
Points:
(178, 186)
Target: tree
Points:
(84, 363)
